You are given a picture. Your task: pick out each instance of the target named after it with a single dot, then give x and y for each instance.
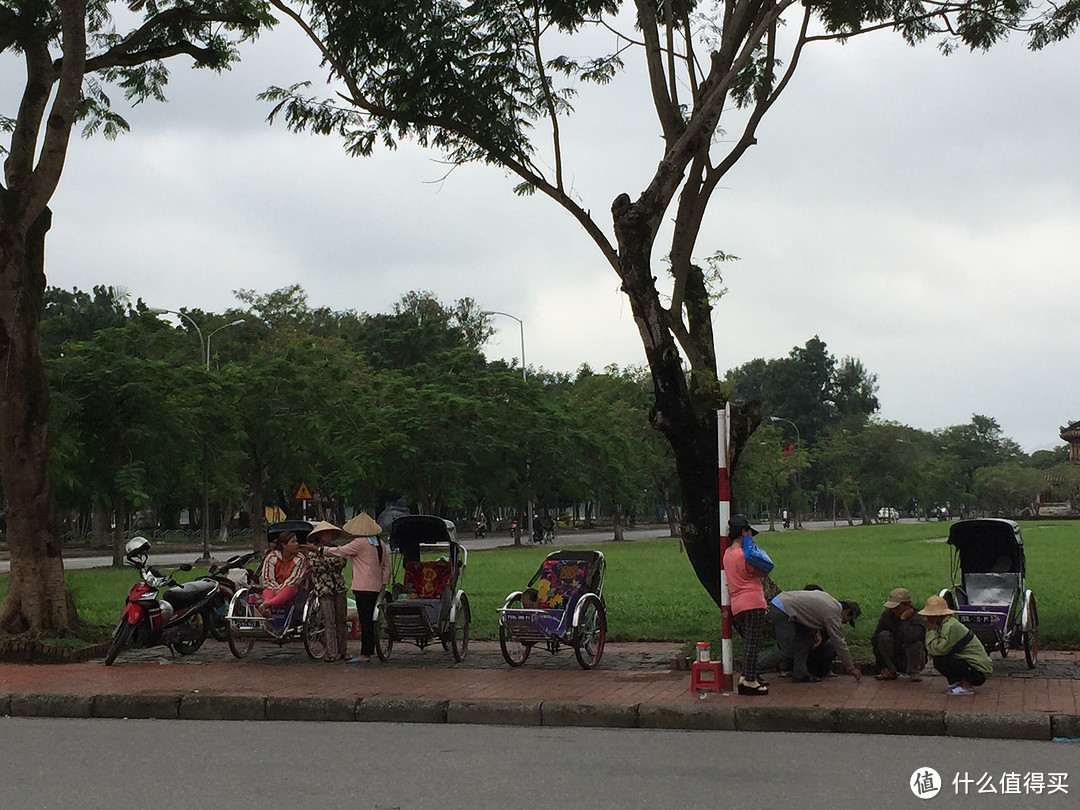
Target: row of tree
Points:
(366, 408)
(362, 408)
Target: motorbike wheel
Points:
(219, 627)
(459, 638)
(314, 632)
(201, 622)
(120, 640)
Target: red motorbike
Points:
(161, 611)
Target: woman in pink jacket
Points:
(283, 571)
(747, 604)
(370, 559)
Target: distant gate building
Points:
(1071, 434)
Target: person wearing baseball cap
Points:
(796, 616)
(899, 640)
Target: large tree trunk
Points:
(257, 511)
(37, 599)
(690, 430)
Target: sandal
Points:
(329, 659)
(752, 687)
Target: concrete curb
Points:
(551, 713)
(710, 717)
(46, 705)
(137, 707)
(308, 709)
(596, 715)
(914, 722)
(222, 707)
(494, 712)
(1007, 725)
(401, 710)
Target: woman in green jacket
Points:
(957, 653)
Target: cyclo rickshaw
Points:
(988, 590)
(301, 620)
(562, 604)
(425, 600)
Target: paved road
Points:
(245, 766)
(568, 538)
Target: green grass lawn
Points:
(652, 594)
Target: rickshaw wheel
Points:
(384, 644)
(514, 652)
(240, 647)
(459, 631)
(313, 631)
(593, 631)
(1031, 647)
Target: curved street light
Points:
(798, 438)
(203, 349)
(521, 325)
(204, 346)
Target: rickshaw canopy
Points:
(988, 545)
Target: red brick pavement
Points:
(429, 675)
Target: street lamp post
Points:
(206, 558)
(204, 349)
(798, 438)
(521, 326)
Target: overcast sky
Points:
(918, 212)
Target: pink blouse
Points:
(747, 592)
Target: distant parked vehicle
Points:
(887, 514)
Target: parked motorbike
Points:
(230, 576)
(159, 610)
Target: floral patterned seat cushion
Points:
(560, 581)
(427, 579)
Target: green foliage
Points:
(810, 387)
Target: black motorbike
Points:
(161, 611)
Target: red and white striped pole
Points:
(727, 661)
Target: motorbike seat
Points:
(189, 593)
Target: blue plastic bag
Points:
(756, 557)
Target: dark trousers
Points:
(956, 669)
(751, 626)
(894, 652)
(793, 642)
(365, 612)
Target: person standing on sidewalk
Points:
(328, 577)
(370, 558)
(747, 604)
(899, 640)
(795, 616)
(957, 653)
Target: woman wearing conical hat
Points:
(370, 558)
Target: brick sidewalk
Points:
(630, 676)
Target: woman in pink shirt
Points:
(283, 571)
(748, 605)
(370, 574)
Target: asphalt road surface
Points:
(165, 764)
(568, 538)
